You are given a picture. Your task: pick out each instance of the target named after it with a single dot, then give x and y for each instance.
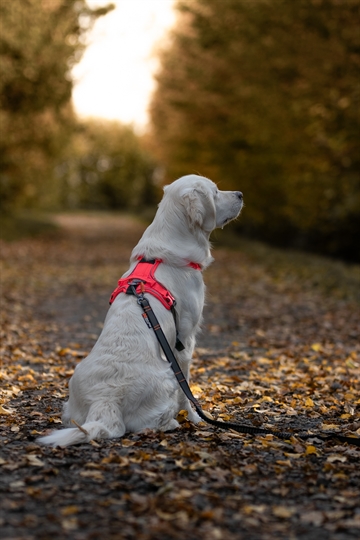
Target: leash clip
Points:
(140, 297)
(132, 287)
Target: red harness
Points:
(144, 273)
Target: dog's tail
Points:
(94, 429)
(75, 435)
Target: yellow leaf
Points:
(309, 402)
(264, 361)
(126, 443)
(311, 450)
(341, 476)
(329, 426)
(55, 420)
(121, 461)
(225, 417)
(69, 510)
(6, 411)
(182, 416)
(286, 462)
(316, 347)
(196, 390)
(283, 511)
(27, 377)
(63, 352)
(266, 398)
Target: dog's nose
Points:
(240, 195)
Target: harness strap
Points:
(142, 278)
(144, 272)
(150, 316)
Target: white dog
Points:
(126, 383)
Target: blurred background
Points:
(101, 104)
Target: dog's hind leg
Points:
(109, 415)
(104, 421)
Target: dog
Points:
(126, 384)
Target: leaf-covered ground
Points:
(279, 347)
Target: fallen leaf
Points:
(98, 475)
(6, 411)
(336, 457)
(70, 510)
(34, 461)
(70, 524)
(283, 511)
(314, 517)
(312, 450)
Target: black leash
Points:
(152, 322)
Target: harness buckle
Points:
(170, 299)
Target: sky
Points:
(114, 79)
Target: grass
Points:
(17, 226)
(329, 275)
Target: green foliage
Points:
(40, 41)
(263, 96)
(107, 168)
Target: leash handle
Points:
(240, 428)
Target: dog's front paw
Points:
(173, 424)
(194, 417)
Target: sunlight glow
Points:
(114, 79)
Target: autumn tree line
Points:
(259, 95)
(48, 157)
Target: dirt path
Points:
(280, 347)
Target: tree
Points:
(107, 167)
(40, 40)
(263, 96)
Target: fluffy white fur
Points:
(126, 384)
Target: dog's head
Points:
(192, 207)
(204, 206)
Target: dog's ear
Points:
(199, 208)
